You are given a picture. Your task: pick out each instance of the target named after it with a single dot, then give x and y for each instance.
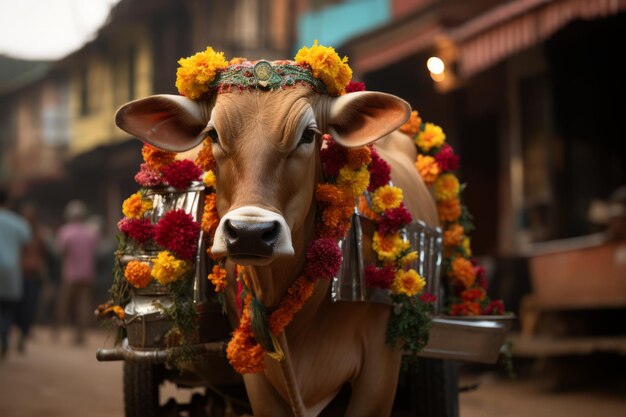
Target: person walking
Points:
(14, 234)
(35, 260)
(77, 243)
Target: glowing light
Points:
(438, 77)
(435, 65)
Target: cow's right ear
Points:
(169, 122)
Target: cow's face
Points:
(266, 145)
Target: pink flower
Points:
(178, 232)
(323, 259)
(446, 159)
(333, 156)
(392, 220)
(180, 174)
(354, 86)
(494, 307)
(147, 177)
(139, 230)
(380, 172)
(379, 277)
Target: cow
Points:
(266, 143)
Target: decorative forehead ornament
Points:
(318, 67)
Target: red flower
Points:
(139, 230)
(446, 159)
(466, 308)
(392, 220)
(333, 156)
(147, 177)
(178, 232)
(474, 294)
(481, 275)
(380, 172)
(427, 297)
(379, 277)
(494, 307)
(180, 174)
(354, 86)
(323, 259)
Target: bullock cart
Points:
(430, 389)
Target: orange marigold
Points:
(156, 158)
(359, 157)
(218, 278)
(453, 235)
(138, 274)
(428, 168)
(205, 159)
(210, 218)
(413, 125)
(447, 187)
(463, 270)
(134, 207)
(329, 193)
(449, 210)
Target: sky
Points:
(49, 29)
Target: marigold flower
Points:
(205, 159)
(380, 171)
(195, 74)
(494, 307)
(218, 278)
(413, 125)
(463, 270)
(379, 277)
(210, 218)
(359, 157)
(431, 137)
(428, 168)
(408, 282)
(332, 155)
(357, 181)
(354, 86)
(166, 268)
(140, 230)
(134, 207)
(446, 159)
(408, 258)
(156, 158)
(180, 174)
(392, 220)
(178, 232)
(389, 247)
(465, 244)
(138, 274)
(147, 177)
(386, 197)
(474, 294)
(327, 66)
(323, 259)
(331, 194)
(453, 235)
(447, 187)
(209, 180)
(466, 308)
(449, 210)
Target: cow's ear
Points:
(169, 122)
(360, 118)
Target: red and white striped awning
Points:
(507, 29)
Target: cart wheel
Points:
(141, 389)
(435, 388)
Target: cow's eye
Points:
(214, 136)
(307, 137)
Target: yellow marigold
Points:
(465, 244)
(408, 258)
(453, 235)
(446, 187)
(327, 66)
(138, 274)
(428, 168)
(205, 159)
(166, 268)
(386, 197)
(449, 210)
(209, 179)
(357, 181)
(358, 157)
(156, 158)
(196, 72)
(218, 278)
(431, 137)
(463, 270)
(134, 207)
(407, 282)
(389, 247)
(413, 125)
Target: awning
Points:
(507, 29)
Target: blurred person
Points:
(35, 268)
(77, 243)
(14, 235)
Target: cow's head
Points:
(266, 144)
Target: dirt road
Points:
(57, 379)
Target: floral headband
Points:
(319, 67)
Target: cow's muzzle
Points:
(252, 236)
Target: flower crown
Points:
(319, 67)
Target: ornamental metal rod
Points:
(154, 356)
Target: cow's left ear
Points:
(360, 118)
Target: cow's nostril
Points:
(230, 232)
(269, 236)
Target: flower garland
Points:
(437, 163)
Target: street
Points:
(58, 379)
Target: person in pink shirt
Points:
(77, 243)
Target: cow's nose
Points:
(251, 238)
